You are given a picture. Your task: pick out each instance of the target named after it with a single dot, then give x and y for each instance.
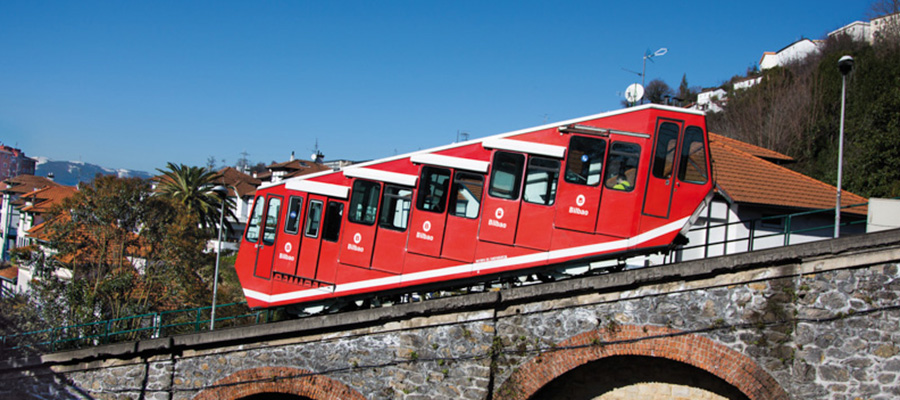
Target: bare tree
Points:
(880, 8)
(772, 114)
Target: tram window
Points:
(540, 181)
(292, 224)
(396, 202)
(692, 167)
(331, 228)
(622, 166)
(506, 175)
(434, 189)
(364, 202)
(271, 225)
(313, 218)
(664, 158)
(255, 219)
(465, 201)
(585, 162)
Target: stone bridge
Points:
(817, 320)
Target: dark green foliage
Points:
(192, 188)
(796, 110)
(127, 250)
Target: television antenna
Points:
(649, 56)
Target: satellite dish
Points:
(634, 92)
(314, 156)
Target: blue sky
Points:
(136, 84)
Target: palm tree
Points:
(192, 188)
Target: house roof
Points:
(293, 169)
(310, 168)
(10, 273)
(237, 182)
(748, 178)
(761, 152)
(25, 184)
(44, 198)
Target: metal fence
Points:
(757, 234)
(135, 327)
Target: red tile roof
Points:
(235, 180)
(757, 151)
(25, 184)
(10, 273)
(747, 178)
(43, 199)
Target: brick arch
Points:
(653, 341)
(278, 380)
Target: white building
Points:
(712, 100)
(791, 53)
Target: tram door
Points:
(359, 233)
(462, 216)
(288, 243)
(307, 265)
(538, 199)
(580, 188)
(427, 226)
(268, 226)
(501, 205)
(390, 241)
(621, 197)
(661, 179)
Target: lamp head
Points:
(845, 64)
(220, 190)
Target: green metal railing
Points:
(757, 229)
(135, 327)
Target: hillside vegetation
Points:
(795, 109)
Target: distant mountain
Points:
(73, 172)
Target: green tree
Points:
(129, 252)
(796, 110)
(192, 187)
(685, 92)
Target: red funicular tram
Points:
(604, 186)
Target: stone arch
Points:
(736, 369)
(283, 380)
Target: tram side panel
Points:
(501, 219)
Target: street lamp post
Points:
(845, 64)
(223, 193)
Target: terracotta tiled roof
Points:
(746, 178)
(235, 180)
(10, 273)
(25, 184)
(304, 167)
(310, 168)
(46, 197)
(757, 151)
